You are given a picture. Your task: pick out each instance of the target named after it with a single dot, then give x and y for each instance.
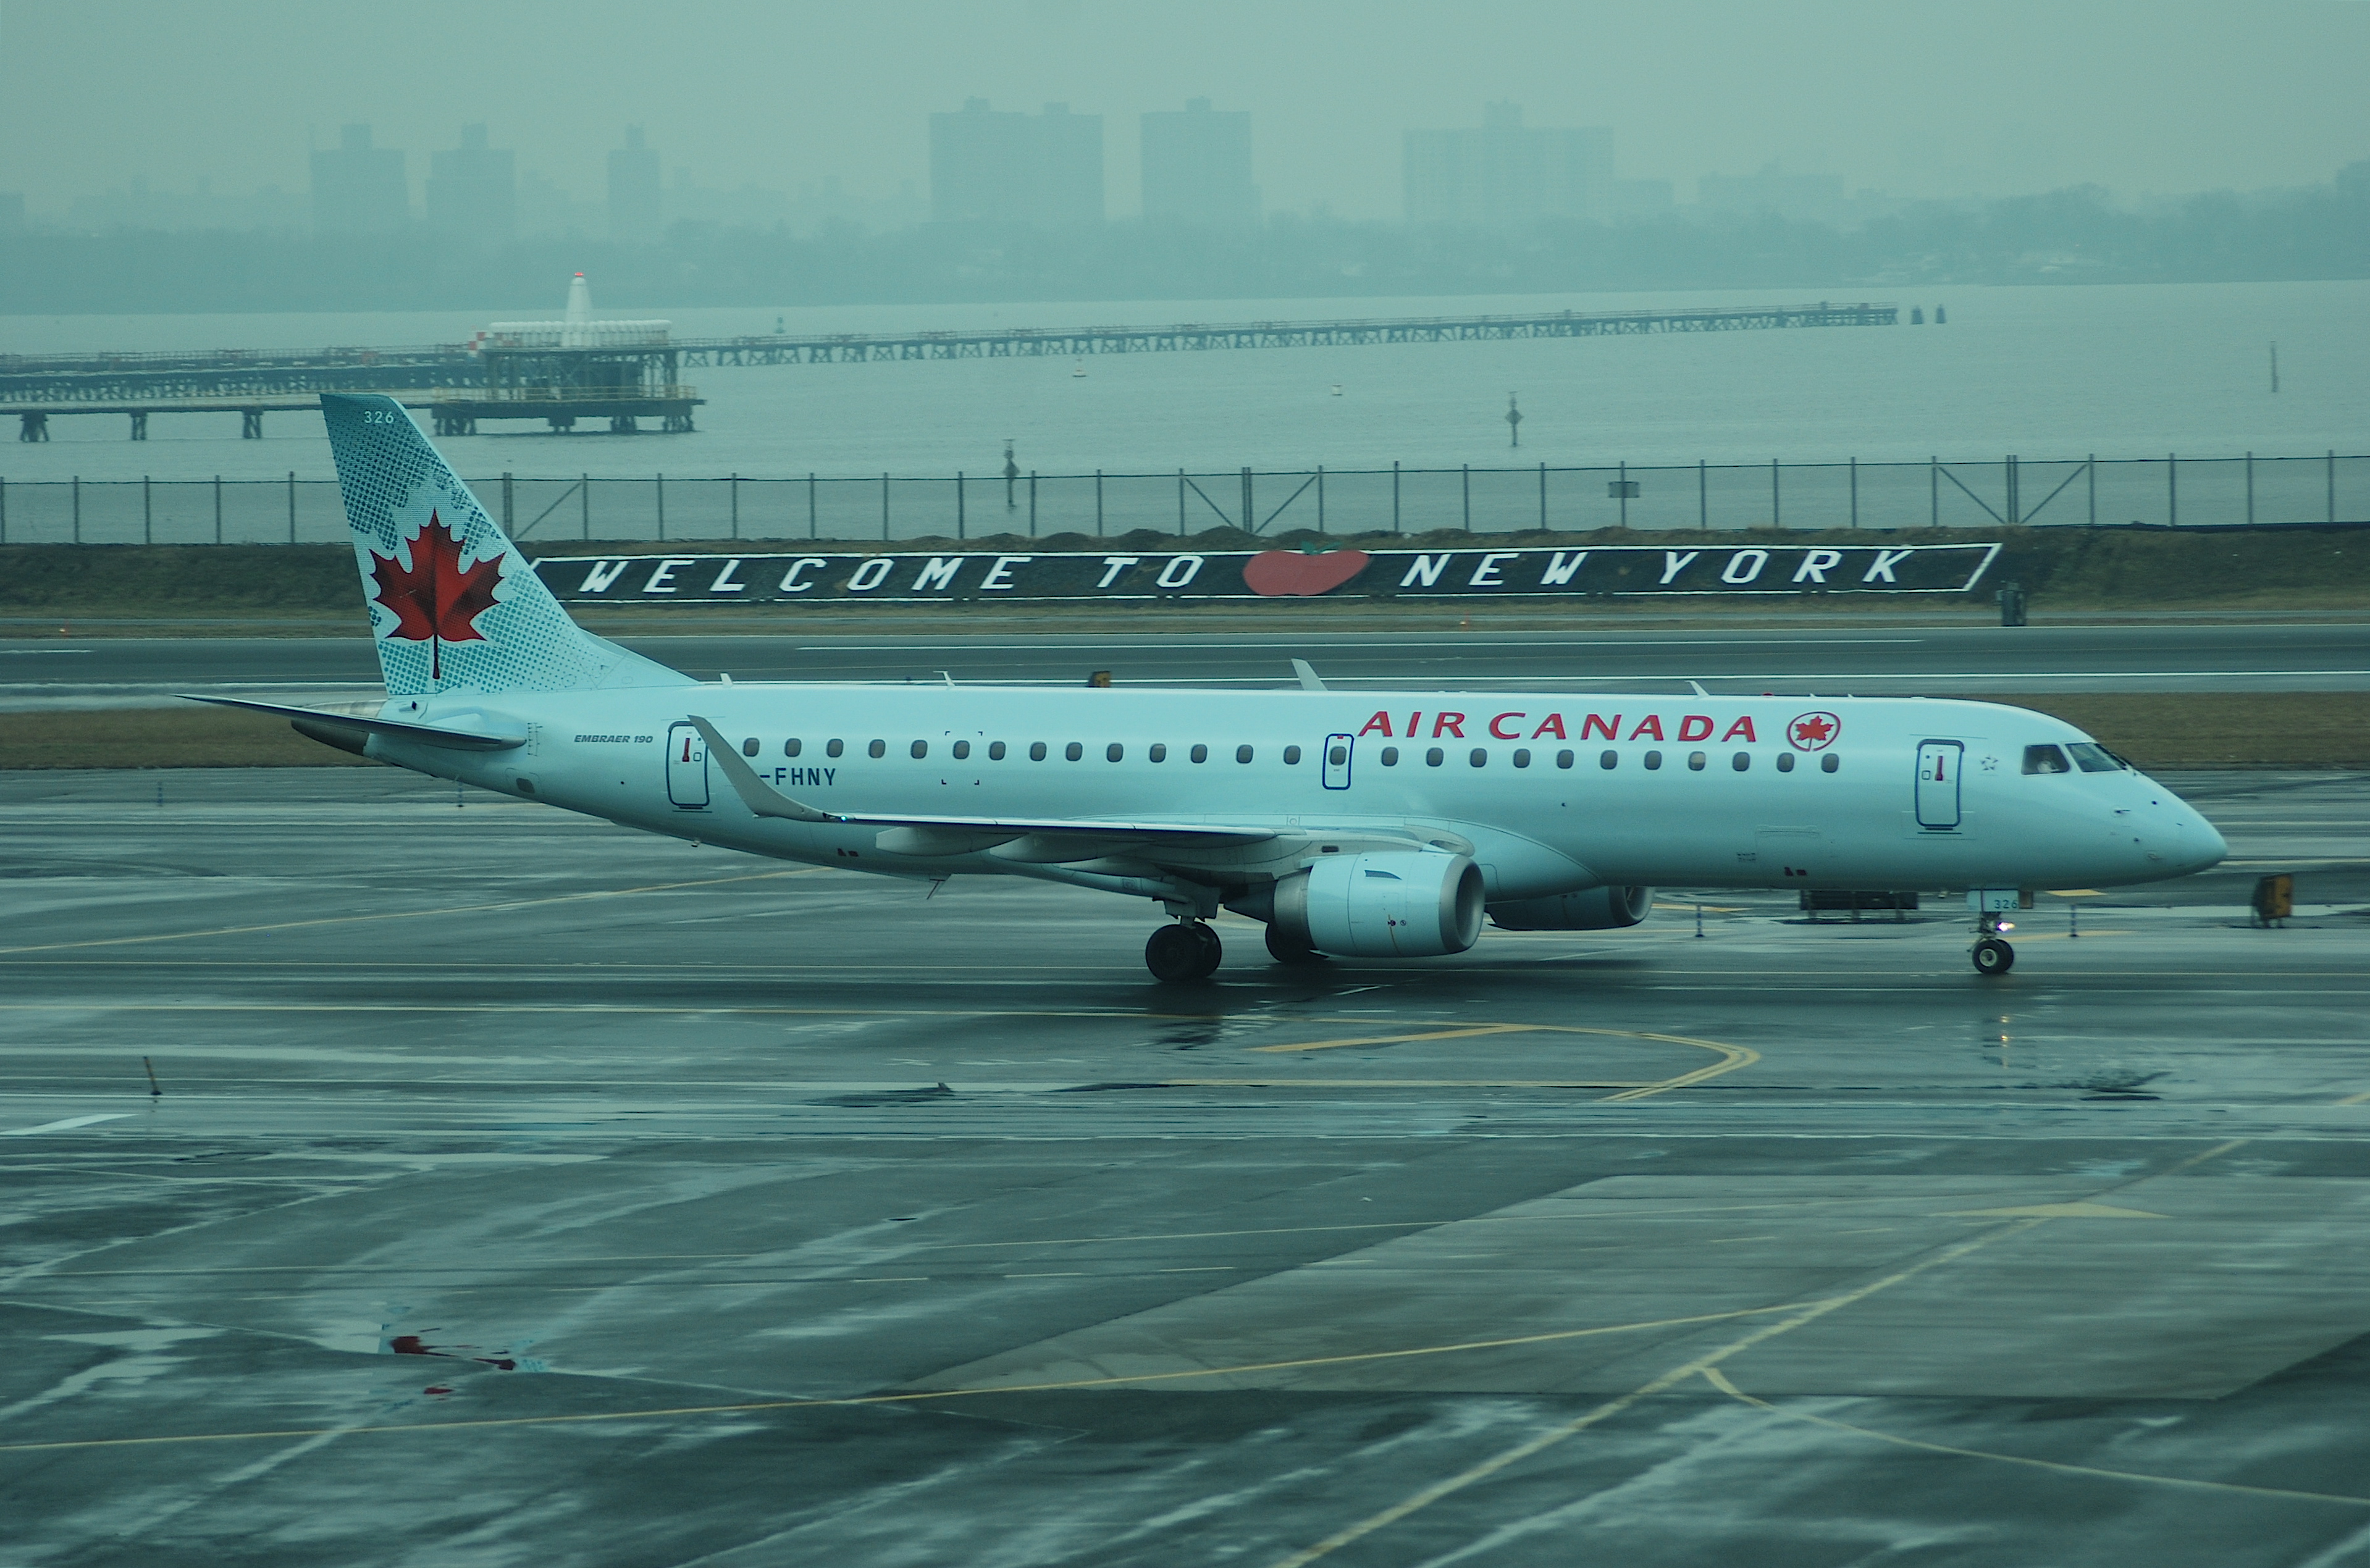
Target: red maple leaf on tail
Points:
(436, 601)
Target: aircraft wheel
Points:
(1175, 952)
(1214, 952)
(1993, 956)
(1286, 949)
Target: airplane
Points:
(1374, 824)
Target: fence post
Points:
(506, 501)
(1180, 503)
(584, 504)
(1098, 503)
(2011, 498)
(1855, 492)
(3, 511)
(811, 523)
(1934, 491)
(2172, 489)
(1032, 503)
(884, 508)
(2332, 484)
(1703, 498)
(1543, 497)
(292, 505)
(735, 492)
(1468, 497)
(77, 509)
(960, 520)
(661, 493)
(1250, 514)
(2093, 466)
(2251, 487)
(1625, 494)
(1320, 502)
(217, 508)
(1395, 495)
(148, 513)
(1777, 517)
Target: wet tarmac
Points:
(522, 1190)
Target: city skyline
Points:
(1918, 100)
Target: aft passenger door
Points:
(1336, 760)
(1938, 783)
(687, 767)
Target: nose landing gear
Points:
(1991, 953)
(1186, 950)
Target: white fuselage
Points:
(1547, 792)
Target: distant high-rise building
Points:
(358, 188)
(991, 166)
(473, 191)
(636, 214)
(1197, 166)
(1506, 175)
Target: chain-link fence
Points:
(2168, 490)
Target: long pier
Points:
(51, 381)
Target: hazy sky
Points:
(1908, 96)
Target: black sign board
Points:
(1697, 569)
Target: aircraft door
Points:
(687, 767)
(1937, 783)
(1336, 760)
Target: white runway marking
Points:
(71, 1122)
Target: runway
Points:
(1837, 657)
(522, 1190)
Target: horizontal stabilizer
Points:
(765, 800)
(395, 730)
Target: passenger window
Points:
(1390, 756)
(1434, 757)
(921, 749)
(878, 749)
(1339, 755)
(996, 750)
(834, 748)
(1036, 750)
(1784, 762)
(2045, 759)
(749, 747)
(1481, 757)
(1114, 751)
(1830, 763)
(1608, 759)
(1653, 760)
(1157, 752)
(1563, 759)
(790, 747)
(1741, 761)
(962, 750)
(1073, 751)
(1291, 756)
(1242, 753)
(1200, 754)
(2093, 759)
(1696, 761)
(1522, 758)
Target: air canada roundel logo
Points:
(1814, 732)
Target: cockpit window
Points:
(2045, 759)
(2094, 758)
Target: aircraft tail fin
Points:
(454, 605)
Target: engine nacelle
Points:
(1591, 909)
(1396, 904)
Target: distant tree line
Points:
(2078, 234)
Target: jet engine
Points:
(1591, 909)
(1404, 904)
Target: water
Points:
(2048, 372)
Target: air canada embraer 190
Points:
(1376, 824)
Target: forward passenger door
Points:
(1336, 760)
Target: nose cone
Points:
(2200, 843)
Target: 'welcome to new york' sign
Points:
(1273, 574)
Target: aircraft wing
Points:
(309, 720)
(934, 834)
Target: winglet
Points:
(756, 794)
(1309, 681)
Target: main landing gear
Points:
(1187, 950)
(1992, 954)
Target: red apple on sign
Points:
(1288, 573)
